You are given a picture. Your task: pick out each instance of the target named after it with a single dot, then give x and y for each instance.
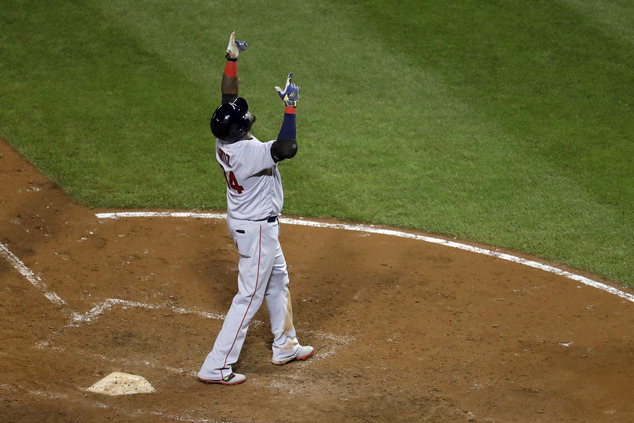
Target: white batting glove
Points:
(235, 47)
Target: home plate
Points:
(118, 383)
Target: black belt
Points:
(268, 219)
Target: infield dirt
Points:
(403, 330)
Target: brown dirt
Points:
(403, 330)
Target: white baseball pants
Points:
(262, 275)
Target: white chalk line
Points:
(89, 402)
(34, 279)
(374, 230)
(108, 304)
(46, 345)
(99, 309)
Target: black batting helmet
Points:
(232, 121)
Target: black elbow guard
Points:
(283, 149)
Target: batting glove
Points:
(290, 93)
(235, 47)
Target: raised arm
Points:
(229, 85)
(285, 147)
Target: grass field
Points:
(502, 122)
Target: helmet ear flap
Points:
(243, 107)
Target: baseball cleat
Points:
(302, 354)
(232, 379)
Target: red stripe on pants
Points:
(257, 281)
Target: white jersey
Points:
(254, 184)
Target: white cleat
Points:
(302, 354)
(232, 379)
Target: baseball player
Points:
(254, 202)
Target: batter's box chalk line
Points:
(374, 230)
(99, 309)
(94, 403)
(34, 279)
(109, 303)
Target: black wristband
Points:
(229, 58)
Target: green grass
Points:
(500, 122)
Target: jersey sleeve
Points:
(257, 156)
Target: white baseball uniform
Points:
(254, 200)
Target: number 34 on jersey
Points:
(232, 182)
